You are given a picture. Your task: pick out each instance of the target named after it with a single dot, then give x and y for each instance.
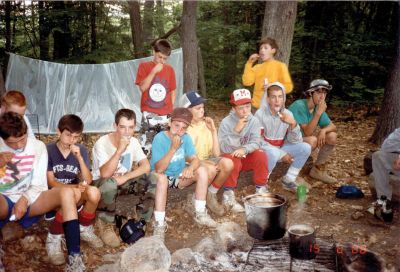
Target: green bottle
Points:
(301, 193)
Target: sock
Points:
(56, 226)
(72, 236)
(292, 173)
(213, 189)
(86, 218)
(200, 205)
(159, 217)
(324, 154)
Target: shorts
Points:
(49, 216)
(173, 182)
(26, 221)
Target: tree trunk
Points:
(189, 45)
(389, 117)
(93, 33)
(279, 19)
(136, 28)
(8, 25)
(61, 32)
(202, 80)
(2, 83)
(148, 25)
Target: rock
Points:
(148, 254)
(357, 215)
(32, 242)
(394, 181)
(232, 237)
(183, 256)
(112, 258)
(372, 239)
(208, 248)
(107, 268)
(357, 207)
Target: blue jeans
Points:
(299, 151)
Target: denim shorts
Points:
(26, 221)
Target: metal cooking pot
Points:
(265, 216)
(301, 241)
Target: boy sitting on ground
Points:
(24, 195)
(171, 150)
(281, 137)
(68, 166)
(239, 138)
(205, 138)
(114, 155)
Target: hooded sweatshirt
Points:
(249, 138)
(392, 143)
(275, 130)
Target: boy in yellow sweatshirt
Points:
(270, 70)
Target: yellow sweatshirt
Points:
(273, 70)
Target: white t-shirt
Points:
(103, 150)
(26, 172)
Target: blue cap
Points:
(192, 99)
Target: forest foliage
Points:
(351, 44)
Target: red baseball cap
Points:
(240, 97)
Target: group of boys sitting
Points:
(36, 180)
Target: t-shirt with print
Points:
(160, 146)
(65, 170)
(302, 115)
(103, 150)
(202, 139)
(158, 98)
(26, 172)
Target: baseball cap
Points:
(240, 97)
(191, 99)
(182, 114)
(317, 84)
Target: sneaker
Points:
(75, 264)
(230, 203)
(54, 247)
(107, 233)
(87, 235)
(322, 175)
(262, 190)
(204, 219)
(160, 230)
(289, 185)
(213, 204)
(382, 209)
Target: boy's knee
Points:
(201, 173)
(226, 164)
(93, 194)
(312, 141)
(331, 138)
(70, 194)
(306, 148)
(161, 180)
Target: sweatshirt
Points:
(392, 142)
(249, 138)
(275, 131)
(273, 70)
(25, 174)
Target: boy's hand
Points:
(123, 143)
(187, 173)
(253, 58)
(158, 68)
(20, 208)
(82, 186)
(241, 124)
(396, 164)
(321, 138)
(321, 107)
(176, 142)
(5, 157)
(287, 159)
(76, 151)
(287, 118)
(239, 153)
(210, 124)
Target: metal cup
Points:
(301, 193)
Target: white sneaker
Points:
(54, 247)
(75, 264)
(87, 235)
(160, 230)
(203, 218)
(262, 190)
(229, 201)
(288, 184)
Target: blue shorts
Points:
(26, 221)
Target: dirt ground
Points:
(331, 216)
